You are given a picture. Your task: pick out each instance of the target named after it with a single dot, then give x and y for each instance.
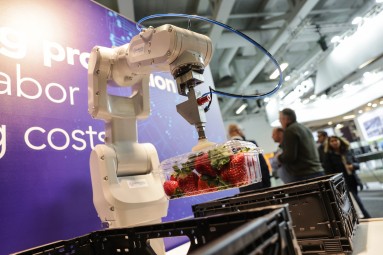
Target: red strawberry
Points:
(188, 183)
(235, 173)
(202, 165)
(173, 177)
(170, 187)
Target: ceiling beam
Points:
(326, 11)
(255, 15)
(298, 15)
(228, 39)
(202, 7)
(269, 21)
(226, 58)
(221, 13)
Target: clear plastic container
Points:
(221, 166)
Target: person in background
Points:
(338, 159)
(300, 155)
(322, 140)
(278, 169)
(236, 133)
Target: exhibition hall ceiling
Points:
(301, 33)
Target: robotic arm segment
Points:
(163, 49)
(106, 64)
(98, 74)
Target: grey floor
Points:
(372, 193)
(373, 201)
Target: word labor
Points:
(30, 88)
(37, 138)
(13, 44)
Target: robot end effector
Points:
(187, 69)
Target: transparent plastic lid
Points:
(221, 166)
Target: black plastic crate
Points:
(265, 235)
(267, 230)
(324, 219)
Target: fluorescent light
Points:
(329, 123)
(275, 74)
(339, 126)
(287, 78)
(356, 21)
(346, 86)
(241, 108)
(366, 63)
(360, 111)
(267, 99)
(369, 104)
(348, 117)
(374, 105)
(312, 97)
(335, 39)
(381, 102)
(306, 101)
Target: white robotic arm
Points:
(166, 48)
(126, 189)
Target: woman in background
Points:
(236, 133)
(338, 159)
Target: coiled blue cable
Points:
(139, 27)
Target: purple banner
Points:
(46, 133)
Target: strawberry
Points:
(235, 173)
(170, 187)
(219, 157)
(202, 165)
(187, 179)
(188, 183)
(237, 159)
(173, 177)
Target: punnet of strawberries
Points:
(223, 166)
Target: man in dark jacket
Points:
(300, 155)
(322, 140)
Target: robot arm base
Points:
(124, 201)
